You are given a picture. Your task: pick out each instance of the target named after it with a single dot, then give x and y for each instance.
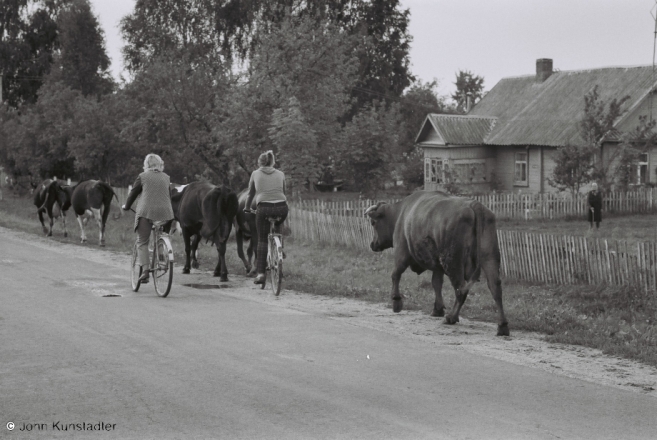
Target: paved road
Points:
(211, 364)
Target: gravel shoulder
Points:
(521, 348)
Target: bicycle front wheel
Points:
(162, 267)
(275, 267)
(135, 270)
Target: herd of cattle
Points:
(430, 230)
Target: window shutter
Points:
(427, 169)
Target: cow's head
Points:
(219, 209)
(383, 224)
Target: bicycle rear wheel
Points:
(275, 267)
(162, 268)
(135, 270)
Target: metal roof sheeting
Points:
(546, 113)
(462, 130)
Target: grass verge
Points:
(618, 321)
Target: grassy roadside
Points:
(619, 321)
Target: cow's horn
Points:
(373, 208)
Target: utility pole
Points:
(653, 12)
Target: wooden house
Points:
(509, 140)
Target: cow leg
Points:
(83, 237)
(63, 216)
(401, 264)
(186, 239)
(195, 243)
(97, 213)
(437, 283)
(43, 225)
(221, 270)
(492, 270)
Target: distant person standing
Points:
(595, 206)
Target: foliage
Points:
(300, 76)
(28, 38)
(573, 169)
(82, 62)
(468, 86)
(640, 140)
(237, 30)
(370, 139)
(177, 107)
(597, 122)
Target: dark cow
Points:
(245, 229)
(207, 211)
(50, 194)
(449, 235)
(92, 197)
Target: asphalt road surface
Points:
(215, 363)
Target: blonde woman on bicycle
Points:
(154, 205)
(267, 186)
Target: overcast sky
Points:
(495, 38)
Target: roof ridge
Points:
(593, 69)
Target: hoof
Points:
(49, 234)
(503, 329)
(185, 270)
(65, 234)
(84, 240)
(224, 278)
(397, 305)
(451, 320)
(101, 244)
(438, 313)
(195, 264)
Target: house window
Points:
(520, 171)
(433, 170)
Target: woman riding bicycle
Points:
(267, 185)
(154, 205)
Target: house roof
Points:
(548, 113)
(460, 129)
(522, 111)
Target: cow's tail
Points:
(108, 193)
(480, 223)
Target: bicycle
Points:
(161, 265)
(275, 256)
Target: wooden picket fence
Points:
(553, 259)
(558, 259)
(516, 206)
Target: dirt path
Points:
(522, 348)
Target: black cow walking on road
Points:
(52, 198)
(448, 235)
(92, 197)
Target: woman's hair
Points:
(266, 159)
(153, 162)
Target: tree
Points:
(82, 63)
(468, 87)
(598, 122)
(639, 141)
(28, 38)
(370, 139)
(300, 76)
(574, 168)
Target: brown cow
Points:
(48, 195)
(434, 231)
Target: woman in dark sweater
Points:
(267, 185)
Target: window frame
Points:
(431, 169)
(516, 162)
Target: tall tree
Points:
(83, 62)
(469, 90)
(28, 38)
(598, 122)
